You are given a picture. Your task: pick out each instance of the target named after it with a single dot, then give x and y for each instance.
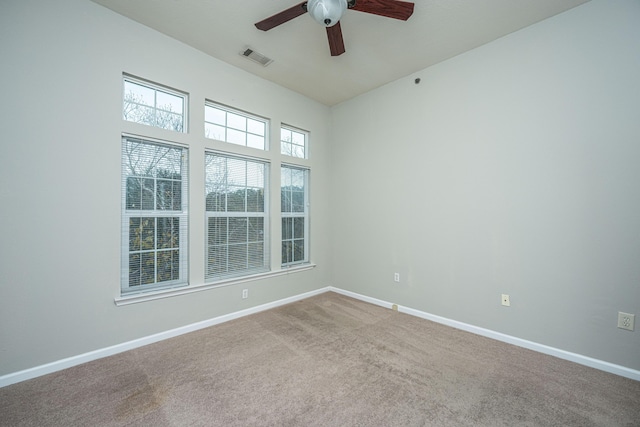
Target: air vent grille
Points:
(256, 57)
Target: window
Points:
(295, 215)
(236, 214)
(153, 105)
(154, 215)
(235, 127)
(293, 142)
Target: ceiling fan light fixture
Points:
(326, 12)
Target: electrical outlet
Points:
(505, 300)
(396, 277)
(626, 321)
(245, 293)
(394, 307)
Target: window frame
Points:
(291, 214)
(257, 136)
(305, 146)
(182, 215)
(265, 215)
(244, 114)
(126, 78)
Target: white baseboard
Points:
(361, 297)
(59, 365)
(540, 348)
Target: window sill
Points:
(167, 293)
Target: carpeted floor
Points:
(326, 361)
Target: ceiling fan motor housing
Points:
(327, 12)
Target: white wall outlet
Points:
(626, 321)
(396, 277)
(505, 300)
(245, 293)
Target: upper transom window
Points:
(293, 142)
(154, 105)
(235, 127)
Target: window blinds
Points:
(154, 184)
(236, 215)
(295, 218)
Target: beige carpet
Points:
(326, 361)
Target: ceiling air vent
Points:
(256, 57)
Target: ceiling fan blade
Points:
(390, 8)
(336, 43)
(282, 17)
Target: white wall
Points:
(511, 169)
(61, 73)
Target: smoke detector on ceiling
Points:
(256, 57)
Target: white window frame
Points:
(287, 147)
(295, 215)
(155, 213)
(239, 131)
(155, 109)
(265, 215)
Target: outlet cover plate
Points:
(626, 321)
(505, 300)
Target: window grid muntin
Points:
(157, 252)
(179, 125)
(222, 211)
(130, 214)
(232, 133)
(228, 243)
(292, 213)
(294, 142)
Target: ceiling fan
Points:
(329, 12)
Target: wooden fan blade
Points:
(282, 17)
(336, 43)
(390, 8)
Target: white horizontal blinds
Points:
(293, 142)
(236, 215)
(234, 127)
(153, 105)
(295, 217)
(155, 196)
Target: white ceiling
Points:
(378, 50)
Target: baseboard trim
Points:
(540, 348)
(361, 297)
(69, 362)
